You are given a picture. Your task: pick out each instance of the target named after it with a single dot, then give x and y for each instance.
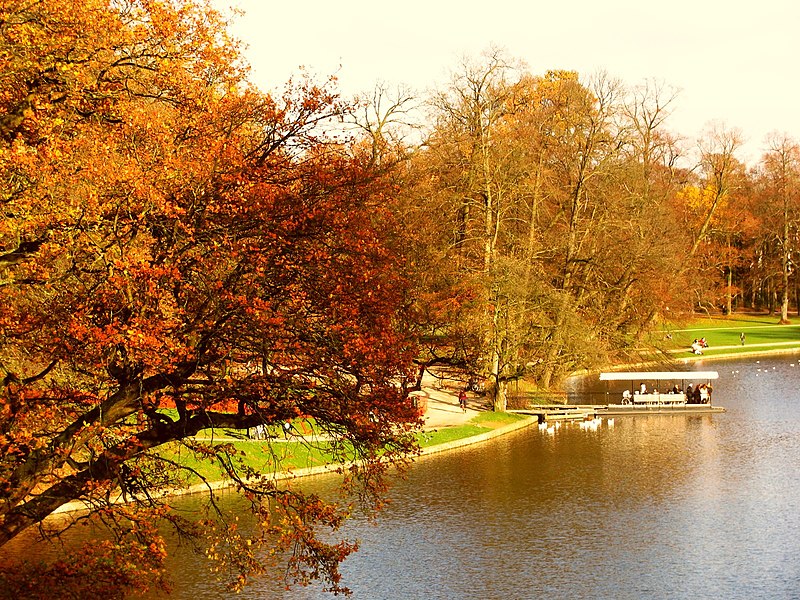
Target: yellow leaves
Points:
(692, 197)
(699, 200)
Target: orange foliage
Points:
(172, 237)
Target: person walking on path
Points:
(741, 337)
(462, 400)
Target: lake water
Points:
(651, 507)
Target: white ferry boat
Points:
(660, 391)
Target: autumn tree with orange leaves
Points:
(172, 238)
(550, 198)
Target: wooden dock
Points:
(551, 412)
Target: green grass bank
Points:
(300, 453)
(762, 334)
(303, 452)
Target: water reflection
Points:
(651, 507)
(655, 506)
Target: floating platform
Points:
(551, 412)
(566, 413)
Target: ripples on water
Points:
(653, 507)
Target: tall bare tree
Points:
(721, 172)
(780, 172)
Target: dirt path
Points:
(442, 403)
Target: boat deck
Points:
(580, 412)
(657, 409)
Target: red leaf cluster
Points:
(172, 238)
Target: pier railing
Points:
(519, 401)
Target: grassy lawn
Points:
(762, 332)
(722, 334)
(263, 456)
(482, 423)
(450, 434)
(285, 455)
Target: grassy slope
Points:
(286, 454)
(260, 455)
(763, 334)
(482, 423)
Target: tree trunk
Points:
(729, 294)
(786, 266)
(500, 402)
(796, 297)
(785, 299)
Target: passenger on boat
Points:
(642, 388)
(675, 389)
(689, 393)
(704, 395)
(696, 395)
(626, 397)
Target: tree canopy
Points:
(182, 253)
(174, 239)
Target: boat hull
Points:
(657, 409)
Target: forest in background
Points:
(182, 252)
(554, 220)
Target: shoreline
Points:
(328, 469)
(438, 414)
(689, 359)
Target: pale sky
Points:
(733, 62)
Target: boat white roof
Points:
(658, 375)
